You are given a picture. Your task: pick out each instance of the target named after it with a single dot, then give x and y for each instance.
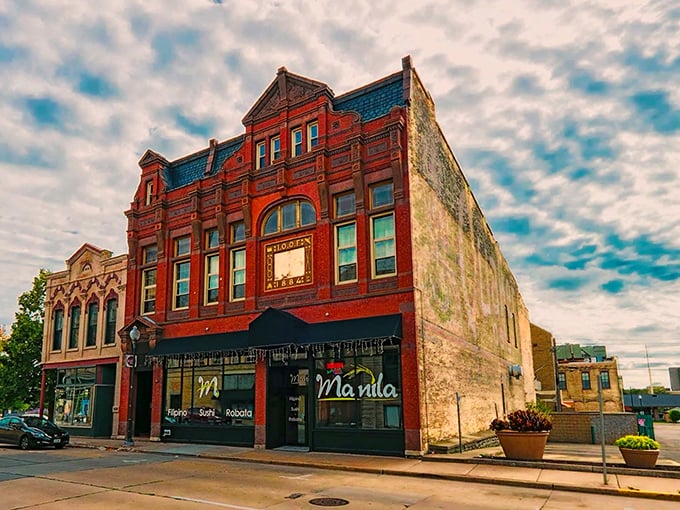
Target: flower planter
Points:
(523, 445)
(639, 458)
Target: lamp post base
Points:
(128, 443)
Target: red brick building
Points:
(323, 280)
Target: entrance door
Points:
(287, 406)
(143, 403)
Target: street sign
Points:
(130, 361)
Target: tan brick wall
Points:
(571, 427)
(463, 288)
(544, 362)
(587, 399)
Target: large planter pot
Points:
(523, 445)
(639, 458)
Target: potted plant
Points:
(638, 451)
(523, 434)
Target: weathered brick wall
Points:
(463, 287)
(544, 363)
(587, 399)
(585, 427)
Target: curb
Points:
(613, 491)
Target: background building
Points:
(84, 307)
(324, 280)
(674, 373)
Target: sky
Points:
(564, 116)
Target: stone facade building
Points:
(324, 280)
(84, 308)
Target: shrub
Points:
(637, 443)
(674, 414)
(528, 420)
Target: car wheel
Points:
(59, 446)
(24, 443)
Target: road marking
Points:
(298, 477)
(214, 503)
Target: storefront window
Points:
(358, 388)
(211, 391)
(73, 397)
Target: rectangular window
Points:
(74, 332)
(345, 205)
(604, 378)
(260, 155)
(507, 323)
(274, 149)
(92, 313)
(514, 329)
(149, 290)
(383, 253)
(238, 275)
(150, 255)
(382, 195)
(148, 197)
(212, 278)
(111, 316)
(182, 246)
(346, 252)
(58, 329)
(181, 285)
(562, 381)
(238, 232)
(212, 239)
(585, 380)
(296, 142)
(312, 135)
(346, 394)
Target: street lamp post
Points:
(134, 337)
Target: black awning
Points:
(367, 328)
(276, 327)
(217, 342)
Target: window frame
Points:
(274, 148)
(296, 145)
(91, 336)
(337, 248)
(278, 210)
(374, 241)
(149, 261)
(74, 327)
(260, 155)
(110, 325)
(561, 381)
(336, 201)
(211, 252)
(233, 270)
(312, 140)
(57, 332)
(585, 380)
(604, 373)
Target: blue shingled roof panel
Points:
(185, 171)
(375, 102)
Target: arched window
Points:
(289, 216)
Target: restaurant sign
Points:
(350, 387)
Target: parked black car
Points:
(31, 432)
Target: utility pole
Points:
(649, 372)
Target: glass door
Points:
(297, 383)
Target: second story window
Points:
(296, 142)
(148, 196)
(149, 259)
(58, 329)
(585, 380)
(289, 216)
(92, 318)
(238, 232)
(345, 239)
(238, 274)
(604, 378)
(111, 316)
(561, 381)
(212, 267)
(260, 155)
(274, 149)
(182, 272)
(383, 240)
(312, 135)
(74, 331)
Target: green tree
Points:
(21, 352)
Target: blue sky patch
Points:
(584, 82)
(655, 108)
(566, 284)
(44, 111)
(612, 286)
(204, 129)
(97, 86)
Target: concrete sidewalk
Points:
(566, 467)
